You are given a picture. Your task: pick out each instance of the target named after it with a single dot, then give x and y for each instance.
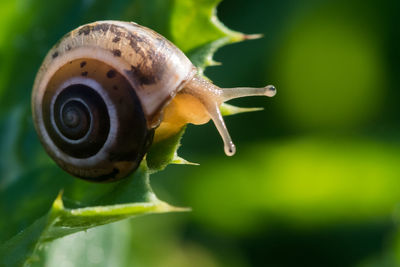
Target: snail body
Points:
(106, 87)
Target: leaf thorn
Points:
(179, 160)
(58, 202)
(252, 36)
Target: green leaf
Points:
(202, 56)
(196, 30)
(164, 152)
(61, 220)
(194, 24)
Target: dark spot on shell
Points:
(142, 75)
(85, 73)
(102, 27)
(153, 66)
(116, 52)
(55, 55)
(68, 47)
(111, 74)
(115, 29)
(85, 30)
(70, 62)
(133, 42)
(83, 63)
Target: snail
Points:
(106, 87)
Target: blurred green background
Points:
(316, 178)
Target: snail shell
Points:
(103, 89)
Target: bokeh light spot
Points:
(330, 73)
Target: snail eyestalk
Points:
(211, 97)
(216, 116)
(238, 92)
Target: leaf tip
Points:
(58, 202)
(162, 207)
(214, 63)
(182, 161)
(252, 36)
(183, 209)
(227, 109)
